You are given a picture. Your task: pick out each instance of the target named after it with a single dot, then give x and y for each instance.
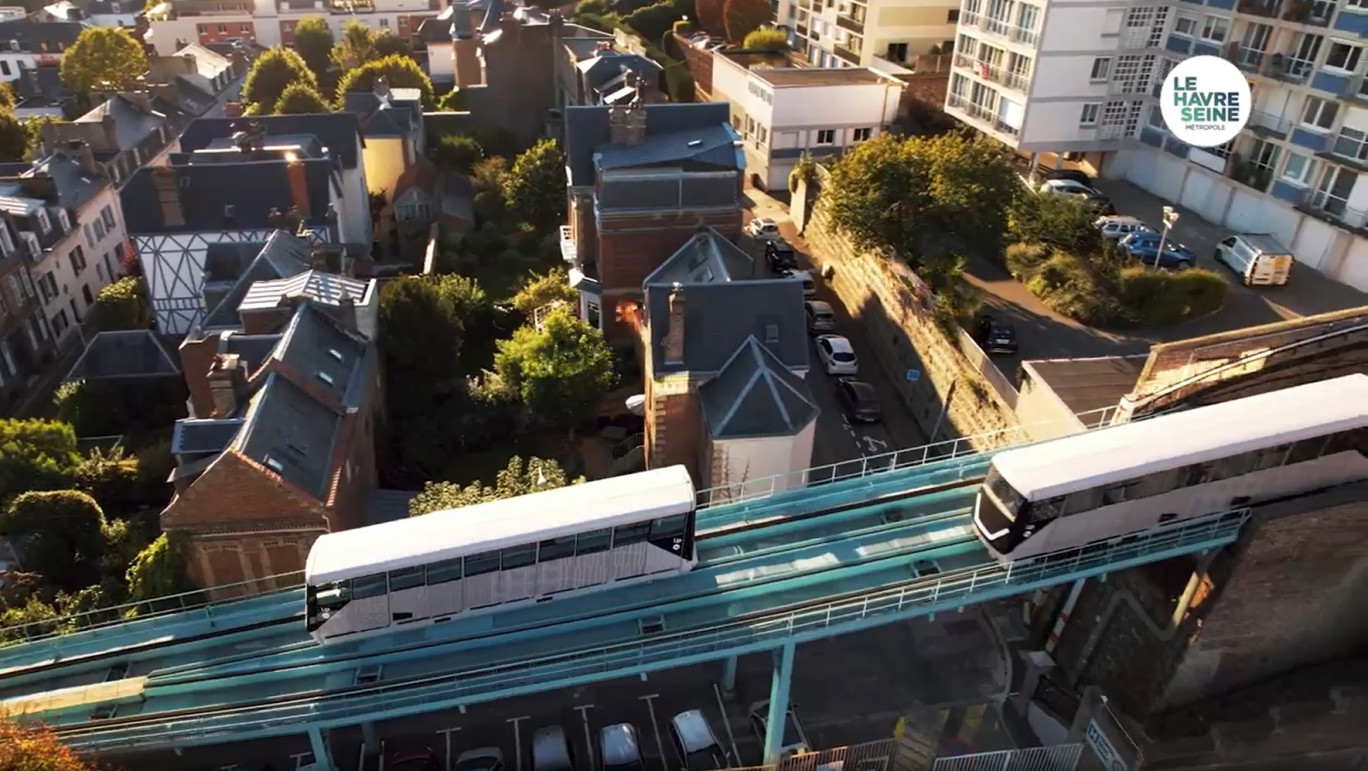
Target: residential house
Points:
(28, 45)
(423, 197)
(70, 216)
(592, 72)
(199, 81)
(238, 193)
(124, 133)
(1296, 171)
(856, 33)
(39, 93)
(641, 180)
(98, 13)
(392, 130)
(725, 354)
(784, 112)
(174, 23)
(25, 339)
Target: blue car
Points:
(1145, 248)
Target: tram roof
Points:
(496, 525)
(1115, 454)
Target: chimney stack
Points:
(84, 157)
(626, 125)
(299, 187)
(674, 333)
(382, 88)
(167, 182)
(227, 384)
(346, 311)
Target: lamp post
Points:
(1170, 217)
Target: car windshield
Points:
(706, 759)
(842, 356)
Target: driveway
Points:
(1045, 334)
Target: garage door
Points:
(1140, 168)
(1243, 216)
(1168, 177)
(1196, 190)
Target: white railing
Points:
(569, 252)
(1061, 757)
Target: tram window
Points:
(1271, 457)
(668, 527)
(1306, 449)
(1345, 441)
(405, 579)
(368, 586)
(556, 548)
(593, 542)
(1046, 510)
(1126, 491)
(1234, 466)
(1082, 500)
(333, 596)
(479, 564)
(625, 535)
(1010, 499)
(444, 571)
(1195, 474)
(518, 557)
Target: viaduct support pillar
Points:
(729, 676)
(371, 738)
(319, 744)
(779, 701)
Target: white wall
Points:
(1040, 409)
(353, 211)
(15, 64)
(856, 104)
(95, 275)
(1068, 75)
(1079, 26)
(1048, 123)
(441, 61)
(758, 466)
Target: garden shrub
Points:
(1157, 298)
(1025, 258)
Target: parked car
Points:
(780, 255)
(995, 335)
(837, 355)
(482, 759)
(859, 400)
(695, 742)
(1117, 228)
(550, 750)
(1257, 258)
(820, 316)
(414, 760)
(1081, 177)
(1100, 204)
(763, 229)
(619, 749)
(793, 742)
(809, 286)
(1066, 187)
(1145, 248)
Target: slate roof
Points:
(252, 349)
(705, 258)
(587, 131)
(131, 123)
(195, 436)
(755, 395)
(282, 256)
(314, 285)
(41, 36)
(320, 350)
(713, 145)
(607, 65)
(338, 131)
(40, 84)
(74, 186)
(124, 354)
(719, 316)
(290, 433)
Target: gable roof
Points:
(705, 258)
(719, 316)
(132, 123)
(282, 256)
(319, 351)
(587, 129)
(714, 145)
(340, 132)
(124, 354)
(755, 395)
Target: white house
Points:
(852, 33)
(782, 112)
(174, 23)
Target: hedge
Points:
(1157, 298)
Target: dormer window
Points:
(31, 241)
(336, 354)
(44, 224)
(274, 465)
(771, 333)
(325, 377)
(63, 220)
(6, 242)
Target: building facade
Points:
(175, 23)
(25, 339)
(849, 33)
(27, 45)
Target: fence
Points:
(879, 756)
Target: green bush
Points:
(653, 21)
(600, 22)
(1023, 259)
(1156, 298)
(592, 8)
(1068, 285)
(766, 39)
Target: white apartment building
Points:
(847, 33)
(781, 113)
(173, 24)
(1082, 77)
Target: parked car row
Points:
(1076, 184)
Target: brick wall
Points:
(629, 248)
(677, 433)
(700, 67)
(905, 337)
(196, 357)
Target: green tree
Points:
(561, 371)
(653, 21)
(355, 48)
(159, 570)
(1058, 220)
(60, 533)
(423, 323)
(6, 97)
(742, 17)
(30, 747)
(105, 58)
(301, 99)
(709, 15)
(540, 290)
(399, 72)
(313, 39)
(35, 455)
(516, 479)
(272, 73)
(110, 477)
(390, 44)
(122, 305)
(536, 185)
(34, 128)
(766, 39)
(458, 152)
(487, 183)
(14, 139)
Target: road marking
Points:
(583, 709)
(655, 728)
(517, 737)
(731, 737)
(446, 740)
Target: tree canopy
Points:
(272, 73)
(6, 96)
(14, 138)
(544, 289)
(355, 48)
(518, 478)
(389, 44)
(313, 40)
(59, 532)
(399, 72)
(301, 99)
(34, 455)
(458, 152)
(535, 185)
(742, 17)
(766, 40)
(107, 58)
(26, 747)
(422, 325)
(122, 305)
(158, 570)
(561, 371)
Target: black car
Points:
(780, 256)
(1101, 205)
(859, 400)
(995, 335)
(1080, 177)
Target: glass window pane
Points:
(625, 535)
(593, 541)
(556, 548)
(1227, 468)
(669, 527)
(444, 571)
(1083, 500)
(368, 586)
(1271, 457)
(405, 579)
(518, 557)
(479, 564)
(1345, 441)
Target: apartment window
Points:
(107, 216)
(100, 271)
(244, 28)
(952, 17)
(44, 224)
(16, 288)
(862, 134)
(1320, 113)
(897, 52)
(5, 67)
(89, 235)
(1089, 115)
(1357, 5)
(99, 231)
(78, 262)
(1216, 29)
(1297, 169)
(826, 137)
(1101, 68)
(1343, 56)
(31, 241)
(223, 29)
(1185, 26)
(63, 220)
(6, 243)
(1352, 144)
(62, 322)
(1156, 118)
(384, 22)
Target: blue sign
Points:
(913, 375)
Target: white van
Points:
(1258, 259)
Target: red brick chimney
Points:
(167, 182)
(299, 187)
(228, 384)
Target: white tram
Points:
(428, 569)
(1128, 478)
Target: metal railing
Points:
(1061, 757)
(850, 24)
(736, 636)
(870, 756)
(1334, 207)
(569, 252)
(1273, 124)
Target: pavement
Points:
(1044, 334)
(846, 691)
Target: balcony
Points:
(1248, 59)
(846, 55)
(969, 19)
(980, 114)
(1016, 81)
(1331, 208)
(1129, 86)
(1263, 124)
(569, 252)
(1288, 69)
(801, 29)
(1268, 9)
(1249, 174)
(1316, 14)
(850, 25)
(1023, 36)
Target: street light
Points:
(1170, 217)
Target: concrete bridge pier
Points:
(779, 701)
(729, 676)
(319, 744)
(370, 738)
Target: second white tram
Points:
(1128, 478)
(430, 568)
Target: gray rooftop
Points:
(124, 354)
(587, 130)
(705, 258)
(755, 395)
(314, 285)
(714, 145)
(253, 349)
(282, 256)
(315, 347)
(1085, 385)
(292, 434)
(719, 316)
(131, 122)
